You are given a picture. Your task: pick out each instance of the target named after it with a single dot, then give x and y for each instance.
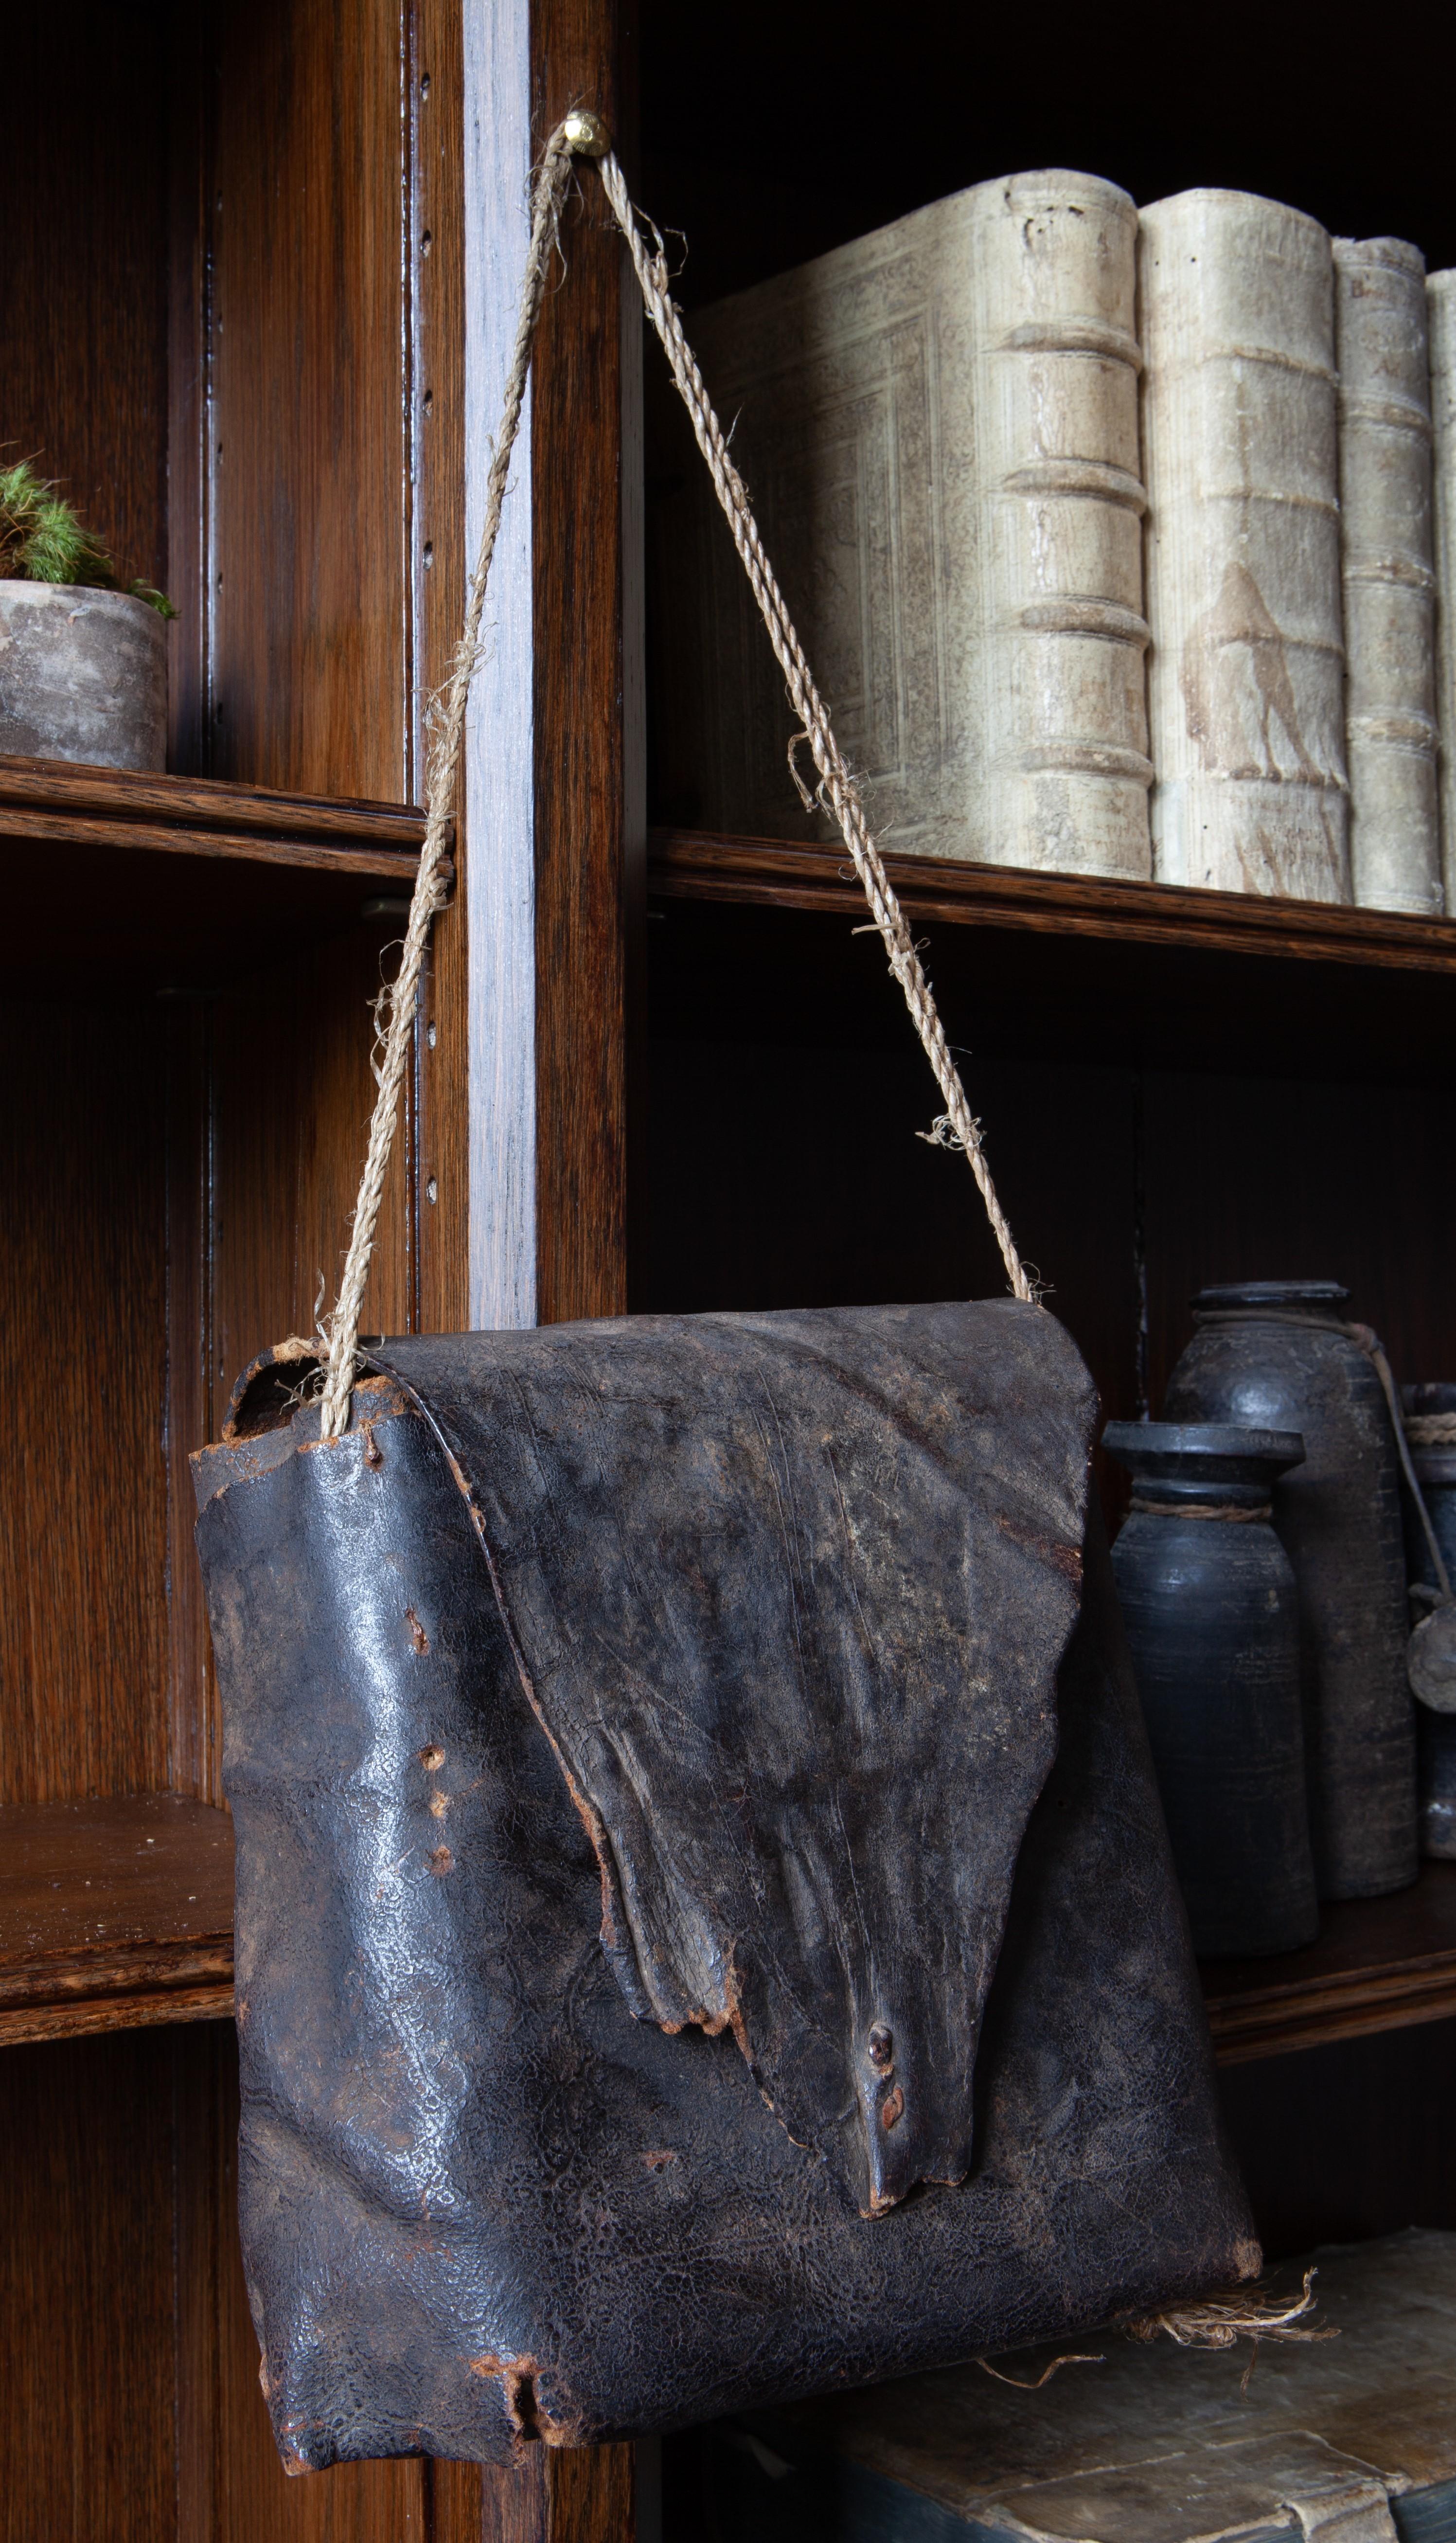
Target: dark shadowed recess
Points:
(804, 128)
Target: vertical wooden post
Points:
(589, 880)
(590, 824)
(560, 2494)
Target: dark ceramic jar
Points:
(1212, 1615)
(1278, 1354)
(1429, 1408)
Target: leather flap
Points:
(788, 1595)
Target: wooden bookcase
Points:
(259, 275)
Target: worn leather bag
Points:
(705, 1926)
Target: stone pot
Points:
(1280, 1355)
(83, 676)
(1434, 1461)
(1212, 1615)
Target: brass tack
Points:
(586, 132)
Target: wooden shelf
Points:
(119, 1913)
(114, 1914)
(1379, 1964)
(1154, 974)
(780, 874)
(179, 884)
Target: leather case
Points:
(705, 1929)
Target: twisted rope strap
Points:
(582, 134)
(1431, 1430)
(958, 1127)
(1235, 1513)
(396, 1012)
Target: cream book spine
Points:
(1440, 306)
(938, 424)
(1388, 574)
(1246, 669)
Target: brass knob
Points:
(587, 134)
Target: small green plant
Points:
(41, 540)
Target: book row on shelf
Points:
(1118, 540)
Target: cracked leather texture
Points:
(736, 1645)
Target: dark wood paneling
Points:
(83, 306)
(291, 1099)
(740, 138)
(177, 885)
(83, 1253)
(232, 2487)
(562, 2494)
(1347, 2141)
(1257, 1178)
(437, 413)
(190, 811)
(1379, 1964)
(86, 2434)
(114, 1914)
(1056, 965)
(190, 105)
(309, 598)
(793, 1176)
(195, 1728)
(589, 869)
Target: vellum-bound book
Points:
(1388, 573)
(1246, 673)
(939, 427)
(1440, 303)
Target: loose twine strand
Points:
(395, 1016)
(1219, 2322)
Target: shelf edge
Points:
(210, 2003)
(708, 866)
(1245, 2031)
(79, 830)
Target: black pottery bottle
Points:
(1280, 1354)
(1212, 1616)
(1430, 1413)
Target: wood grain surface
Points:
(83, 313)
(114, 1914)
(590, 876)
(308, 681)
(702, 865)
(83, 1269)
(561, 2494)
(172, 883)
(1348, 2139)
(86, 2292)
(291, 1094)
(1379, 1964)
(435, 339)
(191, 806)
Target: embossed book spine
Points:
(1246, 671)
(1441, 304)
(1388, 571)
(938, 426)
